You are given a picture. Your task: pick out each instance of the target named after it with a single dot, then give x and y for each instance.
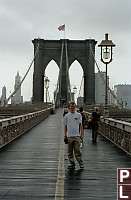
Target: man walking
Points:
(83, 122)
(95, 122)
(72, 122)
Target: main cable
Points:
(58, 86)
(67, 74)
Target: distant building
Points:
(123, 93)
(72, 96)
(80, 101)
(17, 98)
(100, 88)
(3, 96)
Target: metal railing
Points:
(13, 127)
(118, 132)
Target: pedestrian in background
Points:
(95, 119)
(72, 122)
(65, 111)
(83, 121)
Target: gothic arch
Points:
(48, 62)
(76, 73)
(51, 71)
(79, 50)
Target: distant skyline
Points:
(22, 21)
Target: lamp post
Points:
(46, 86)
(122, 103)
(106, 57)
(75, 91)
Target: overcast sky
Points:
(23, 20)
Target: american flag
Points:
(61, 28)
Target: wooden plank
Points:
(29, 166)
(99, 178)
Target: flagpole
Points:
(62, 28)
(64, 34)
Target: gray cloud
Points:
(23, 20)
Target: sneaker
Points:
(81, 166)
(72, 166)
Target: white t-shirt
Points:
(72, 120)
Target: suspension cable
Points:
(58, 86)
(81, 86)
(67, 74)
(19, 85)
(60, 71)
(114, 96)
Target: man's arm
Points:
(81, 132)
(65, 130)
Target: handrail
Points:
(13, 127)
(118, 132)
(12, 120)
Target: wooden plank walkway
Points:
(34, 167)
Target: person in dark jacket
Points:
(95, 119)
(83, 121)
(65, 111)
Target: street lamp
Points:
(46, 86)
(122, 103)
(106, 57)
(75, 91)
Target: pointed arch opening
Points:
(52, 72)
(76, 80)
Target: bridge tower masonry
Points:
(80, 50)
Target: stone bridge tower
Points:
(79, 50)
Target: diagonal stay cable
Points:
(19, 85)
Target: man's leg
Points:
(70, 150)
(95, 132)
(77, 151)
